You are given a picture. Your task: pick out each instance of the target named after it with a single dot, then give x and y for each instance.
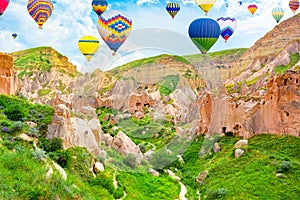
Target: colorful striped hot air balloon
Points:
(204, 33)
(227, 26)
(277, 13)
(3, 6)
(99, 6)
(40, 10)
(88, 45)
(114, 27)
(173, 9)
(294, 5)
(252, 8)
(205, 5)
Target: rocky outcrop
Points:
(8, 78)
(278, 112)
(266, 49)
(75, 131)
(123, 145)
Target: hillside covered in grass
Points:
(269, 168)
(42, 59)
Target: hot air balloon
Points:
(204, 33)
(114, 27)
(14, 35)
(227, 26)
(3, 6)
(173, 8)
(88, 45)
(226, 3)
(99, 6)
(40, 10)
(252, 8)
(277, 13)
(240, 3)
(294, 5)
(205, 5)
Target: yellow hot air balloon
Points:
(88, 45)
(205, 5)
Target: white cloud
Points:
(141, 2)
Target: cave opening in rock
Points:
(223, 129)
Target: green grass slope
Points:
(42, 59)
(269, 169)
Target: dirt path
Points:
(183, 189)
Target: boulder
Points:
(201, 177)
(239, 152)
(61, 171)
(49, 173)
(98, 167)
(241, 143)
(124, 145)
(153, 172)
(217, 147)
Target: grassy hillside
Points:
(147, 61)
(42, 59)
(269, 169)
(218, 55)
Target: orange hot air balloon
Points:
(252, 8)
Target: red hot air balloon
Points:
(3, 6)
(294, 5)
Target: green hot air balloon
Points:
(277, 13)
(204, 33)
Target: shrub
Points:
(61, 157)
(118, 193)
(130, 160)
(104, 181)
(15, 113)
(33, 132)
(18, 125)
(229, 133)
(219, 193)
(51, 145)
(38, 154)
(285, 166)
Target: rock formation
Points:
(75, 131)
(8, 79)
(278, 112)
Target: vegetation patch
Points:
(44, 92)
(168, 84)
(294, 59)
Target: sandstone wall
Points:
(8, 78)
(278, 112)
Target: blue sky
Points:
(153, 29)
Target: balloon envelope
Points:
(252, 8)
(173, 9)
(240, 3)
(14, 35)
(277, 13)
(114, 27)
(204, 33)
(205, 5)
(88, 45)
(99, 6)
(3, 6)
(227, 26)
(294, 5)
(40, 10)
